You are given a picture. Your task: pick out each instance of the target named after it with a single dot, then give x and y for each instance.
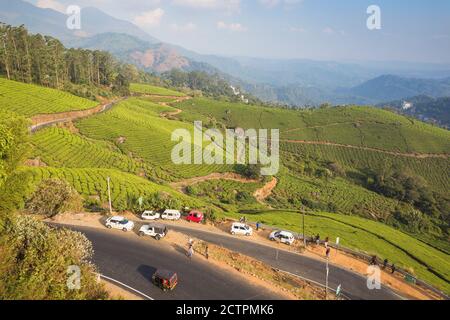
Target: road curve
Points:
(132, 261)
(354, 285)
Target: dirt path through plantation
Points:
(181, 185)
(264, 192)
(260, 194)
(43, 120)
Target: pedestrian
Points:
(207, 252)
(190, 252)
(373, 262)
(393, 268)
(257, 226)
(326, 242)
(241, 219)
(317, 239)
(385, 263)
(327, 252)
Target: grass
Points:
(345, 196)
(59, 147)
(367, 236)
(227, 194)
(29, 100)
(149, 89)
(434, 170)
(93, 182)
(146, 134)
(359, 126)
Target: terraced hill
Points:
(355, 126)
(29, 100)
(153, 90)
(131, 144)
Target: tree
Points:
(54, 196)
(35, 261)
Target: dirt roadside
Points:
(117, 293)
(337, 258)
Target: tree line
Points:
(35, 58)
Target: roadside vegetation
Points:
(35, 257)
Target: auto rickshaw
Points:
(165, 279)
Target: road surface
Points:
(132, 261)
(354, 285)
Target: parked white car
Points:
(154, 230)
(282, 236)
(241, 229)
(119, 222)
(150, 215)
(169, 214)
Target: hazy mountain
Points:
(295, 81)
(53, 23)
(390, 87)
(154, 57)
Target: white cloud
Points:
(329, 30)
(235, 27)
(188, 27)
(229, 5)
(150, 18)
(51, 4)
(274, 3)
(297, 29)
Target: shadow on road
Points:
(146, 271)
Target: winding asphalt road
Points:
(133, 260)
(354, 285)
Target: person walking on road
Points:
(257, 226)
(317, 239)
(190, 252)
(327, 252)
(373, 262)
(385, 263)
(326, 242)
(393, 269)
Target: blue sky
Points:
(411, 30)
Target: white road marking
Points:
(126, 286)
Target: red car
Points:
(195, 216)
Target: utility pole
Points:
(304, 235)
(109, 195)
(326, 282)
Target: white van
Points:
(241, 228)
(150, 215)
(282, 236)
(169, 214)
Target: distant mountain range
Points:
(389, 87)
(296, 82)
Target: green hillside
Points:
(131, 144)
(149, 89)
(146, 136)
(30, 100)
(93, 183)
(358, 126)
